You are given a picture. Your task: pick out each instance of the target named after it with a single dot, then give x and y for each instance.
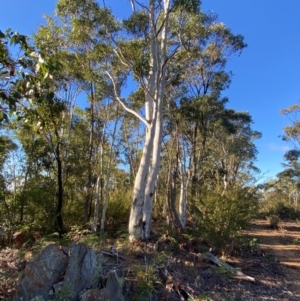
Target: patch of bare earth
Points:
(283, 243)
(10, 271)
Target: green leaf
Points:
(13, 40)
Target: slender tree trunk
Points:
(194, 163)
(99, 183)
(22, 199)
(130, 156)
(60, 192)
(99, 197)
(173, 176)
(88, 198)
(105, 201)
(225, 176)
(183, 195)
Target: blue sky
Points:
(266, 76)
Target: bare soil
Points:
(271, 256)
(284, 243)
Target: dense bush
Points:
(220, 218)
(273, 220)
(281, 209)
(118, 208)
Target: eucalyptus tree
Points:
(198, 106)
(292, 132)
(291, 173)
(149, 52)
(233, 149)
(287, 181)
(162, 39)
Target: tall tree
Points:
(148, 52)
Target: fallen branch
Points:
(235, 272)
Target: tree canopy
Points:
(90, 153)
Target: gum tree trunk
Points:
(141, 208)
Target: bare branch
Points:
(118, 98)
(132, 5)
(121, 57)
(141, 5)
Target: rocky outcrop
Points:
(70, 274)
(41, 273)
(81, 272)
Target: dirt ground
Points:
(273, 260)
(284, 243)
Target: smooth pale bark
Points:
(153, 173)
(136, 225)
(225, 177)
(141, 209)
(99, 183)
(225, 181)
(97, 202)
(183, 195)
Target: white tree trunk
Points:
(97, 202)
(136, 225)
(99, 185)
(141, 209)
(153, 173)
(183, 196)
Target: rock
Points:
(65, 274)
(41, 273)
(57, 287)
(81, 272)
(114, 286)
(89, 271)
(112, 292)
(92, 295)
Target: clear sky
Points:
(266, 75)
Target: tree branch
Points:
(118, 98)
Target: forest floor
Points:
(284, 243)
(271, 256)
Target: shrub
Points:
(283, 211)
(119, 205)
(273, 220)
(220, 218)
(146, 282)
